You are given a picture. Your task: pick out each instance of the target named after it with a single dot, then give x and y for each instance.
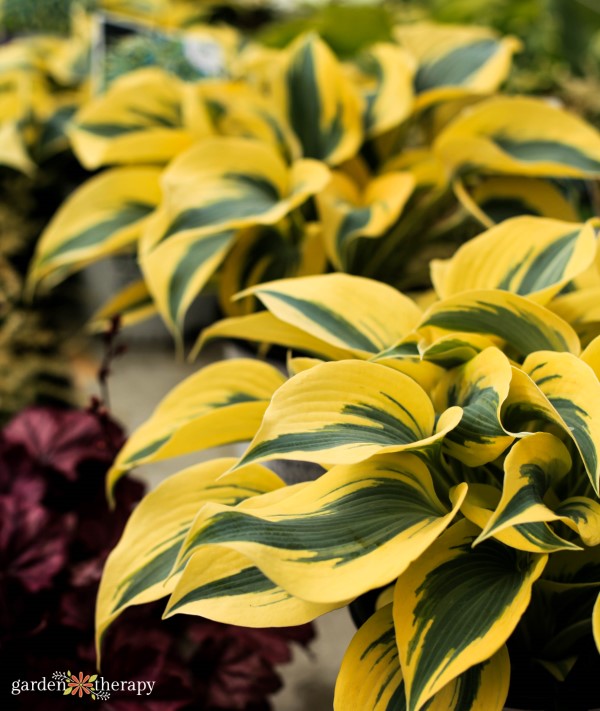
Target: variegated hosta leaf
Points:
(533, 466)
(483, 687)
(596, 623)
(52, 138)
(322, 105)
(139, 568)
(559, 669)
(19, 92)
(13, 147)
(441, 635)
(536, 537)
(498, 199)
(300, 364)
(348, 312)
(347, 215)
(143, 9)
(520, 136)
(223, 585)
(425, 374)
(132, 305)
(262, 254)
(406, 348)
(101, 217)
(264, 327)
(386, 83)
(227, 182)
(66, 59)
(20, 54)
(426, 168)
(177, 271)
(480, 387)
(220, 404)
(581, 309)
(573, 569)
(345, 412)
(370, 676)
(560, 388)
(521, 323)
(530, 256)
(140, 119)
(354, 529)
(582, 514)
(238, 109)
(213, 189)
(591, 356)
(454, 349)
(455, 61)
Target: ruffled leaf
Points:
(322, 105)
(519, 322)
(529, 256)
(345, 412)
(139, 569)
(221, 404)
(479, 387)
(441, 635)
(520, 136)
(454, 61)
(347, 215)
(104, 215)
(210, 191)
(223, 585)
(347, 312)
(353, 529)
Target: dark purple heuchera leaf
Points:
(233, 666)
(33, 542)
(17, 468)
(231, 673)
(63, 439)
(56, 531)
(76, 605)
(274, 645)
(98, 529)
(139, 647)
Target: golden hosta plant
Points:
(370, 166)
(459, 446)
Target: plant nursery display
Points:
(56, 531)
(402, 218)
(290, 162)
(459, 449)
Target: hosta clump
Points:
(290, 162)
(460, 444)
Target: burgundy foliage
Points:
(56, 531)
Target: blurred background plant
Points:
(395, 98)
(561, 38)
(34, 367)
(561, 43)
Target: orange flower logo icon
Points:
(81, 685)
(93, 687)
